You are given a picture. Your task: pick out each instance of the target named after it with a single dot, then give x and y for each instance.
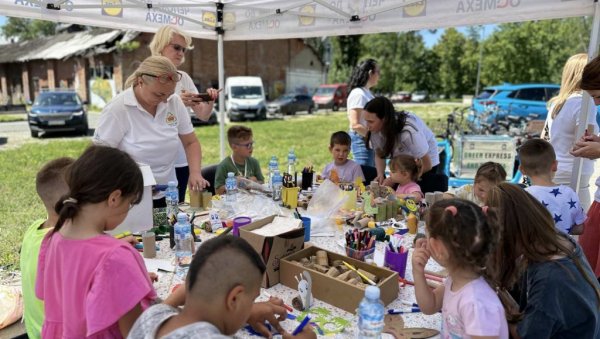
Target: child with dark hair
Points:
(538, 162)
(240, 162)
(347, 170)
(217, 307)
(461, 237)
(405, 172)
(92, 284)
(488, 175)
(560, 296)
(50, 184)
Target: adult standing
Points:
(563, 122)
(589, 147)
(364, 76)
(559, 295)
(149, 123)
(173, 43)
(392, 133)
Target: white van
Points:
(245, 98)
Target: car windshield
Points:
(286, 97)
(485, 94)
(325, 91)
(57, 99)
(246, 92)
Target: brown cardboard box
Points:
(334, 291)
(272, 249)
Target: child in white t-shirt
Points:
(538, 162)
(460, 237)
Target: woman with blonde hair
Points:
(173, 43)
(563, 121)
(149, 123)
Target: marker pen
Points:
(401, 311)
(301, 326)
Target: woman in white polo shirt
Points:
(393, 133)
(149, 123)
(171, 42)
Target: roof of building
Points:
(61, 46)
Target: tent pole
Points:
(220, 33)
(585, 100)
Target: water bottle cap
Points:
(230, 174)
(182, 217)
(172, 183)
(372, 292)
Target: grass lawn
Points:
(309, 135)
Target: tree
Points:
(345, 54)
(27, 29)
(450, 51)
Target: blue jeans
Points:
(362, 155)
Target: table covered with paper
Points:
(325, 234)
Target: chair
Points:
(208, 172)
(369, 172)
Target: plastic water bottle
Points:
(172, 200)
(273, 165)
(370, 314)
(231, 188)
(183, 240)
(277, 184)
(291, 162)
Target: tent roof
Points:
(279, 19)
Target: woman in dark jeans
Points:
(393, 133)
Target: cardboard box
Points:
(139, 218)
(334, 291)
(272, 249)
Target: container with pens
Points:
(307, 177)
(396, 256)
(289, 192)
(360, 245)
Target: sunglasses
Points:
(165, 78)
(248, 145)
(178, 48)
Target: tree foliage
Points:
(345, 54)
(27, 29)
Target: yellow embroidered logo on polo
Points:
(171, 119)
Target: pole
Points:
(220, 31)
(585, 99)
(480, 60)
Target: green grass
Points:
(309, 135)
(12, 117)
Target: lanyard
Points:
(237, 169)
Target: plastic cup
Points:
(360, 255)
(239, 222)
(396, 261)
(306, 223)
(307, 180)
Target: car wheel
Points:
(35, 134)
(335, 107)
(292, 112)
(84, 130)
(310, 110)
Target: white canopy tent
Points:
(280, 19)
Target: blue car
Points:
(57, 111)
(520, 100)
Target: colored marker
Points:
(301, 326)
(287, 307)
(400, 311)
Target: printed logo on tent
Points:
(112, 11)
(168, 15)
(171, 119)
(307, 20)
(209, 18)
(415, 9)
(470, 6)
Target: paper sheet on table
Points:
(153, 265)
(278, 226)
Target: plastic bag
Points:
(325, 203)
(11, 305)
(254, 206)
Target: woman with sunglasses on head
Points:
(149, 123)
(364, 76)
(172, 43)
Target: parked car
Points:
(289, 104)
(212, 120)
(402, 96)
(57, 111)
(245, 98)
(331, 96)
(516, 99)
(420, 96)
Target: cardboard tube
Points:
(362, 223)
(195, 199)
(371, 276)
(333, 272)
(322, 258)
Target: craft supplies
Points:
(401, 311)
(301, 326)
(322, 258)
(396, 259)
(306, 224)
(361, 274)
(195, 199)
(149, 242)
(240, 222)
(286, 306)
(412, 223)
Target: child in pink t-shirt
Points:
(405, 172)
(92, 284)
(460, 237)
